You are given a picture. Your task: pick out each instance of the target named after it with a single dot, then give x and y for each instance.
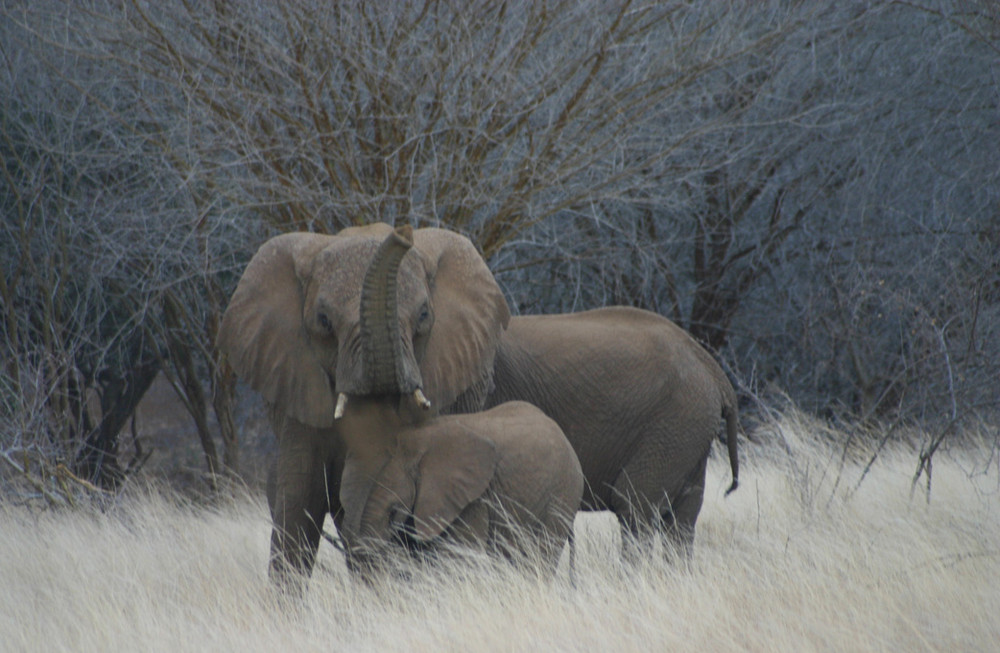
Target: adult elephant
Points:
(640, 401)
(411, 318)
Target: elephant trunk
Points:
(380, 336)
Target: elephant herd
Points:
(412, 408)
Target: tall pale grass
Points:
(806, 556)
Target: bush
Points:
(808, 188)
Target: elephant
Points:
(409, 317)
(415, 320)
(505, 480)
(640, 401)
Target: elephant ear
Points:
(456, 470)
(470, 313)
(262, 332)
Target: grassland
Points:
(811, 554)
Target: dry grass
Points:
(800, 558)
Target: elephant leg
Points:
(685, 508)
(298, 498)
(646, 510)
(637, 512)
(551, 542)
(527, 541)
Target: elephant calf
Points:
(505, 479)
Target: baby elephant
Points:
(505, 479)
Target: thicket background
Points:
(811, 188)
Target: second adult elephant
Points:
(638, 398)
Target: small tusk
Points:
(338, 412)
(423, 401)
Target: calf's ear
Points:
(455, 471)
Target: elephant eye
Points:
(423, 325)
(324, 321)
(425, 313)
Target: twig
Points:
(36, 483)
(926, 458)
(63, 472)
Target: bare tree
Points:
(810, 188)
(836, 224)
(489, 119)
(107, 268)
(74, 296)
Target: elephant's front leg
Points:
(298, 497)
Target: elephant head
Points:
(370, 311)
(415, 493)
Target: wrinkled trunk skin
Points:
(383, 347)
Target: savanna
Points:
(809, 189)
(816, 551)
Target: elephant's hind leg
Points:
(637, 512)
(685, 508)
(645, 510)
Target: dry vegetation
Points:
(807, 555)
(810, 188)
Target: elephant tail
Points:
(732, 430)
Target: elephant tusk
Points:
(421, 400)
(338, 412)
